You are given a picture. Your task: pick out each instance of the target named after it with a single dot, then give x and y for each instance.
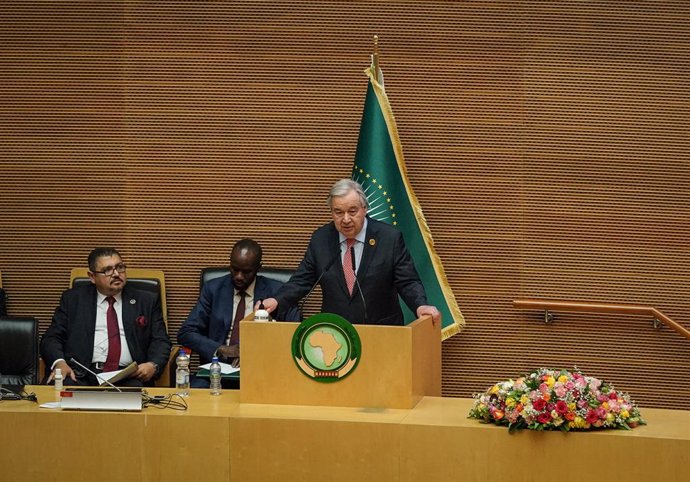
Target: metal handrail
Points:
(590, 307)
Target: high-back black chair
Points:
(18, 351)
(3, 303)
(279, 274)
(3, 299)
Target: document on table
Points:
(225, 368)
(117, 375)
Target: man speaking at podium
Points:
(361, 264)
(105, 326)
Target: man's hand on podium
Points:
(431, 311)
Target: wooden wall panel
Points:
(547, 142)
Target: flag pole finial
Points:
(375, 61)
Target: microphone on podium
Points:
(359, 287)
(323, 272)
(94, 374)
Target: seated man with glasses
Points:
(105, 326)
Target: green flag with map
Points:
(380, 169)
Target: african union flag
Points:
(380, 169)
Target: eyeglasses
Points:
(110, 270)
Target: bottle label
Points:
(182, 378)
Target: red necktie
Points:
(112, 363)
(234, 338)
(347, 266)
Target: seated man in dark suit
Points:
(105, 326)
(356, 258)
(212, 327)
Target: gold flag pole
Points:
(378, 75)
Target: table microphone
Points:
(94, 374)
(323, 272)
(359, 287)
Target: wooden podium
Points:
(399, 365)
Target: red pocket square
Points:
(141, 320)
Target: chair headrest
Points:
(25, 324)
(146, 284)
(278, 274)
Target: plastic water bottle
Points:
(215, 376)
(182, 374)
(58, 380)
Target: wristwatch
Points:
(155, 366)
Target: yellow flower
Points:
(610, 417)
(572, 406)
(563, 379)
(494, 389)
(605, 405)
(550, 381)
(511, 402)
(579, 422)
(524, 399)
(625, 414)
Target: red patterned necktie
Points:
(234, 338)
(347, 266)
(112, 363)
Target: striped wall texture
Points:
(548, 143)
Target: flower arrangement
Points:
(556, 400)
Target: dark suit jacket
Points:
(207, 326)
(386, 271)
(71, 334)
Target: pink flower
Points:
(560, 391)
(141, 321)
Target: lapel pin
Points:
(372, 242)
(132, 302)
